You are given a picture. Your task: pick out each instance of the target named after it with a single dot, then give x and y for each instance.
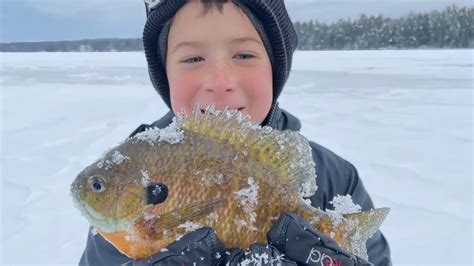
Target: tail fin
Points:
(350, 231)
(358, 228)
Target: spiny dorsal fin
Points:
(287, 151)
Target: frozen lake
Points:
(403, 118)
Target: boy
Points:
(237, 54)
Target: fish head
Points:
(111, 198)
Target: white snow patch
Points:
(148, 216)
(307, 202)
(171, 134)
(115, 159)
(308, 188)
(342, 205)
(261, 259)
(150, 135)
(213, 216)
(189, 226)
(247, 199)
(118, 158)
(145, 180)
(219, 178)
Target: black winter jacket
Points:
(335, 176)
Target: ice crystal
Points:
(342, 205)
(108, 161)
(171, 134)
(189, 226)
(247, 198)
(145, 180)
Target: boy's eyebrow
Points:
(199, 44)
(182, 44)
(246, 39)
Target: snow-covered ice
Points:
(403, 118)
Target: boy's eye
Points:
(193, 60)
(244, 56)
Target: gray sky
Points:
(332, 10)
(41, 20)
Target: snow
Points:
(94, 231)
(189, 226)
(171, 134)
(145, 180)
(403, 118)
(117, 158)
(342, 205)
(247, 198)
(150, 135)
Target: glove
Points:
(201, 247)
(300, 242)
(256, 254)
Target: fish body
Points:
(215, 169)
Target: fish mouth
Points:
(107, 222)
(102, 223)
(96, 219)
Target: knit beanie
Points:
(269, 17)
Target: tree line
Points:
(92, 45)
(449, 28)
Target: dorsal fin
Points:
(287, 151)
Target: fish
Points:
(209, 169)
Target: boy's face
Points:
(218, 58)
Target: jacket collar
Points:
(282, 120)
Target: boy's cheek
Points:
(182, 91)
(259, 85)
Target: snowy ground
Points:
(403, 118)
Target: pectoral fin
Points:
(152, 225)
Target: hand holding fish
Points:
(301, 243)
(201, 247)
(292, 241)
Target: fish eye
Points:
(157, 193)
(97, 183)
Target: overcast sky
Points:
(42, 20)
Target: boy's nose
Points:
(221, 79)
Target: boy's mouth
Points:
(240, 109)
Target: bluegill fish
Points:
(212, 169)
